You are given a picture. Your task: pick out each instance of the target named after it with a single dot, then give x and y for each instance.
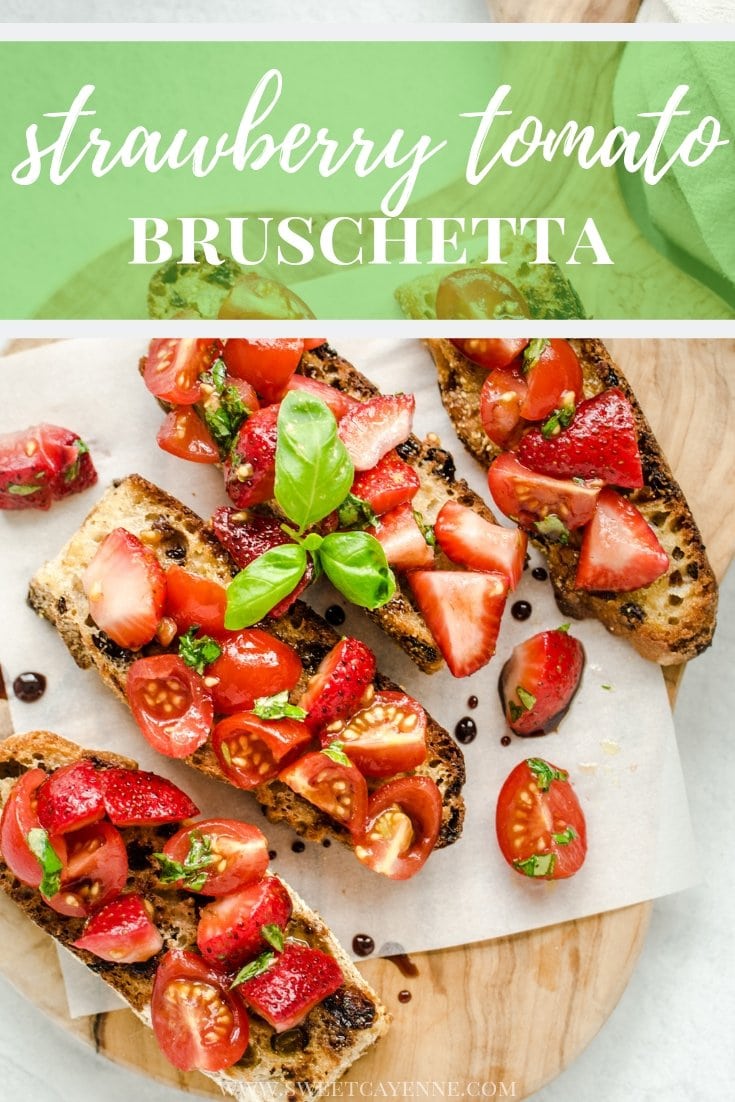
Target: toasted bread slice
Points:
(669, 621)
(176, 534)
(335, 1033)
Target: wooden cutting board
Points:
(520, 1008)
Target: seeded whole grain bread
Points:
(333, 1035)
(669, 621)
(176, 534)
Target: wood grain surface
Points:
(521, 1008)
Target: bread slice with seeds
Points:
(333, 1035)
(669, 621)
(176, 534)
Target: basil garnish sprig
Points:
(314, 475)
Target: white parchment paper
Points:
(617, 742)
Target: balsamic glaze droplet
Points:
(363, 945)
(404, 996)
(520, 610)
(335, 615)
(326, 842)
(298, 846)
(539, 574)
(505, 740)
(466, 730)
(272, 855)
(29, 686)
(472, 702)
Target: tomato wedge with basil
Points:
(403, 822)
(266, 363)
(199, 1024)
(540, 825)
(476, 294)
(252, 664)
(215, 856)
(335, 787)
(501, 398)
(386, 737)
(490, 353)
(251, 750)
(95, 870)
(184, 434)
(532, 499)
(192, 600)
(170, 703)
(20, 816)
(553, 376)
(173, 366)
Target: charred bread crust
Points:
(176, 534)
(331, 1037)
(669, 621)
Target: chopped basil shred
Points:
(527, 699)
(539, 865)
(565, 836)
(273, 935)
(51, 865)
(255, 968)
(190, 871)
(559, 419)
(427, 530)
(553, 527)
(533, 352)
(198, 653)
(335, 752)
(277, 707)
(354, 512)
(545, 773)
(23, 491)
(564, 628)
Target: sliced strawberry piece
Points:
(463, 610)
(373, 428)
(474, 542)
(126, 589)
(402, 540)
(338, 686)
(71, 798)
(539, 680)
(388, 484)
(230, 930)
(121, 932)
(501, 398)
(245, 540)
(601, 442)
(620, 551)
(42, 464)
(298, 979)
(135, 798)
(339, 403)
(250, 469)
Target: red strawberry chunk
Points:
(373, 428)
(126, 589)
(250, 469)
(339, 403)
(230, 929)
(121, 932)
(246, 540)
(338, 686)
(388, 484)
(539, 681)
(71, 798)
(299, 978)
(472, 541)
(133, 797)
(42, 464)
(620, 551)
(601, 442)
(463, 610)
(402, 540)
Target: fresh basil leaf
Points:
(224, 413)
(553, 527)
(607, 687)
(356, 565)
(262, 584)
(198, 653)
(533, 352)
(545, 773)
(335, 753)
(218, 372)
(564, 628)
(527, 699)
(540, 864)
(191, 870)
(427, 530)
(565, 836)
(51, 865)
(313, 470)
(273, 935)
(255, 968)
(354, 512)
(558, 420)
(312, 542)
(277, 707)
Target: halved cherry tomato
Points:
(478, 294)
(554, 380)
(310, 343)
(122, 932)
(386, 737)
(335, 788)
(70, 798)
(198, 1022)
(184, 434)
(403, 822)
(501, 398)
(230, 930)
(252, 664)
(234, 855)
(528, 497)
(266, 363)
(540, 825)
(95, 870)
(20, 816)
(170, 703)
(257, 297)
(251, 750)
(490, 353)
(193, 600)
(173, 366)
